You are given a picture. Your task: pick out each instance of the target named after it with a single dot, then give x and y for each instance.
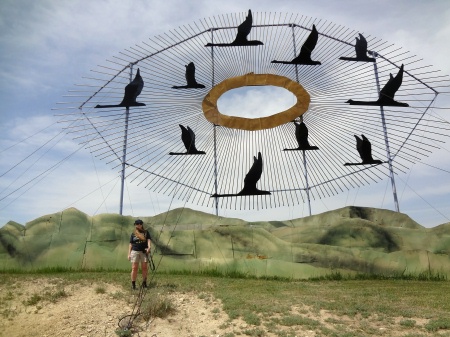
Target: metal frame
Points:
(194, 35)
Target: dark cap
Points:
(139, 222)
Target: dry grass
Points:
(283, 308)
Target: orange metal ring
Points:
(212, 114)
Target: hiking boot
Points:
(144, 284)
(133, 285)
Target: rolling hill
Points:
(349, 240)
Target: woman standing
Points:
(138, 250)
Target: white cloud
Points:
(254, 102)
(49, 45)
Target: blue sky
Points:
(47, 46)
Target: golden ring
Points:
(212, 114)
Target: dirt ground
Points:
(94, 310)
(87, 312)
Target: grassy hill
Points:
(348, 240)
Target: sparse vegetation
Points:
(124, 333)
(229, 334)
(329, 307)
(257, 332)
(33, 300)
(100, 290)
(438, 324)
(157, 306)
(48, 295)
(291, 320)
(409, 323)
(251, 318)
(118, 295)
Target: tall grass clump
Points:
(157, 306)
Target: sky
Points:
(47, 46)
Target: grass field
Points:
(285, 308)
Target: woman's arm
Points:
(149, 243)
(129, 251)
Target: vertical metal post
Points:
(216, 199)
(308, 197)
(124, 150)
(386, 140)
(306, 176)
(295, 51)
(215, 170)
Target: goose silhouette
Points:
(190, 79)
(301, 134)
(132, 91)
(250, 180)
(241, 37)
(364, 148)
(188, 138)
(305, 52)
(386, 97)
(361, 51)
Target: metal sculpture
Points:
(190, 79)
(213, 115)
(361, 51)
(243, 30)
(305, 52)
(132, 91)
(301, 135)
(138, 140)
(188, 138)
(386, 97)
(364, 148)
(250, 180)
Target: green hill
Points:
(350, 240)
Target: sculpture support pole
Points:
(308, 198)
(306, 176)
(386, 140)
(124, 150)
(216, 199)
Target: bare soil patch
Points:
(83, 311)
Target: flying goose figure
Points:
(190, 79)
(250, 180)
(241, 37)
(132, 91)
(361, 51)
(301, 134)
(386, 97)
(305, 52)
(365, 152)
(188, 138)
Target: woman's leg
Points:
(144, 267)
(134, 271)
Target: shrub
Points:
(157, 306)
(438, 324)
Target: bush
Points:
(438, 324)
